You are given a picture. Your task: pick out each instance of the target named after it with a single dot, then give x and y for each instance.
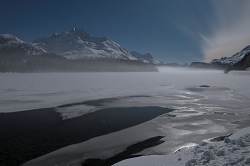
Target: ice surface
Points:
(35, 90)
(198, 115)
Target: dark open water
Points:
(29, 134)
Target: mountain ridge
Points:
(146, 58)
(8, 41)
(234, 58)
(13, 49)
(19, 56)
(79, 44)
(239, 61)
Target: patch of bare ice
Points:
(75, 111)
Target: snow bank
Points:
(234, 150)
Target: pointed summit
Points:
(8, 38)
(78, 30)
(73, 30)
(81, 31)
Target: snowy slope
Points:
(10, 43)
(233, 59)
(234, 150)
(79, 44)
(146, 58)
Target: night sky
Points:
(179, 31)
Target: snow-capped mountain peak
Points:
(79, 44)
(79, 30)
(247, 48)
(7, 39)
(233, 59)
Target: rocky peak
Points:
(8, 38)
(247, 48)
(79, 31)
(79, 44)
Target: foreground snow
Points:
(234, 150)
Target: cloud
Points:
(230, 29)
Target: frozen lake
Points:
(199, 112)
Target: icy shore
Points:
(233, 150)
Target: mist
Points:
(229, 29)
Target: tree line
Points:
(41, 64)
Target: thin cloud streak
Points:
(230, 33)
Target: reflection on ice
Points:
(185, 147)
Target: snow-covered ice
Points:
(198, 115)
(234, 150)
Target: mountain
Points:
(19, 56)
(79, 44)
(10, 43)
(146, 58)
(246, 65)
(14, 49)
(233, 59)
(243, 64)
(203, 65)
(175, 64)
(239, 61)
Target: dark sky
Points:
(171, 30)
